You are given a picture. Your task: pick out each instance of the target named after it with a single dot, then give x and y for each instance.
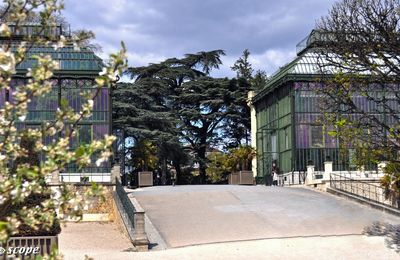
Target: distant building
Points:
(77, 71)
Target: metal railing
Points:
(292, 178)
(125, 208)
(85, 177)
(362, 188)
(133, 217)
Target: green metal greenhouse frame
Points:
(78, 68)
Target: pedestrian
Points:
(275, 171)
(173, 175)
(275, 178)
(158, 178)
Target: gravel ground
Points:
(97, 240)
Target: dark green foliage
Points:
(177, 104)
(238, 124)
(139, 109)
(242, 66)
(203, 106)
(220, 165)
(259, 80)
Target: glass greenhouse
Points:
(289, 130)
(77, 71)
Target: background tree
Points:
(140, 110)
(237, 126)
(144, 156)
(221, 164)
(178, 105)
(359, 52)
(243, 67)
(203, 105)
(217, 167)
(259, 80)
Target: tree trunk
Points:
(201, 153)
(202, 171)
(178, 173)
(202, 164)
(164, 172)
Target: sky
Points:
(154, 30)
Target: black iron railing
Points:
(125, 208)
(292, 178)
(362, 188)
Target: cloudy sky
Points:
(157, 29)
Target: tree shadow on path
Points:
(389, 231)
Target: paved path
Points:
(193, 215)
(83, 239)
(97, 240)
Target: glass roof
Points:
(313, 39)
(68, 58)
(308, 63)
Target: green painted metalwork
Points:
(69, 58)
(302, 68)
(77, 71)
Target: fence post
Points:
(327, 170)
(310, 174)
(362, 171)
(116, 173)
(381, 167)
(55, 177)
(140, 240)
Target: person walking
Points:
(275, 171)
(173, 175)
(275, 178)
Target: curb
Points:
(152, 233)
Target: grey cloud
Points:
(165, 28)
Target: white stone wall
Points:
(93, 177)
(253, 130)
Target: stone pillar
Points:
(361, 171)
(253, 120)
(140, 240)
(55, 188)
(55, 177)
(328, 170)
(310, 174)
(116, 173)
(381, 168)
